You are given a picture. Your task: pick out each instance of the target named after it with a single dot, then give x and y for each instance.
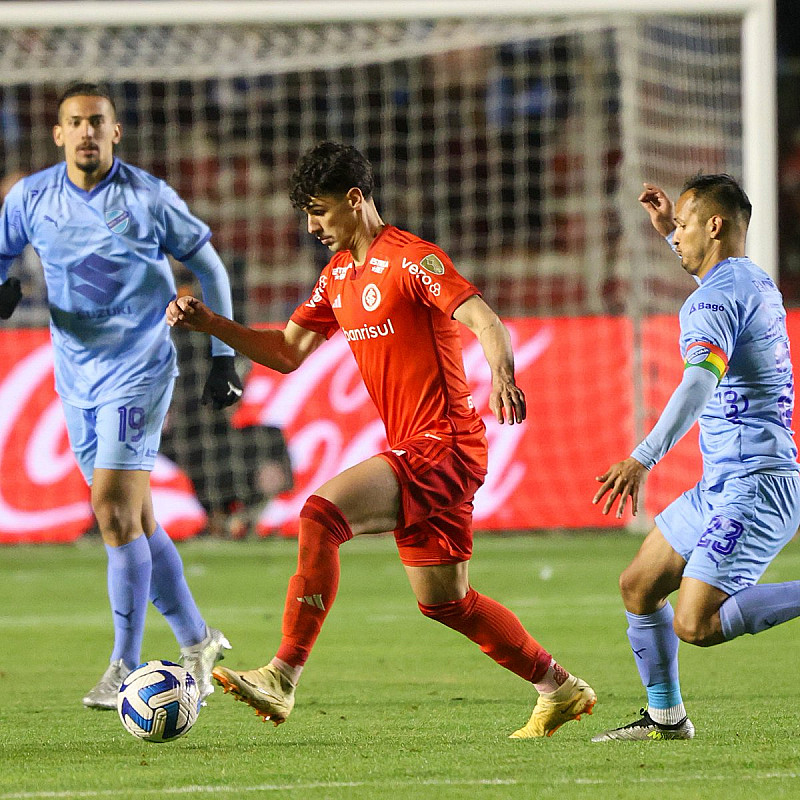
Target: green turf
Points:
(391, 705)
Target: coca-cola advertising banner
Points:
(43, 497)
(576, 374)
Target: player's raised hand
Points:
(507, 402)
(622, 480)
(657, 204)
(188, 312)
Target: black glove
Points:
(223, 385)
(10, 294)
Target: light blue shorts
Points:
(123, 433)
(729, 533)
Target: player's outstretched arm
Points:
(281, 350)
(656, 203)
(506, 401)
(687, 402)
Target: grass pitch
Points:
(391, 705)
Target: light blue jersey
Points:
(104, 254)
(736, 317)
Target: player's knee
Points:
(695, 630)
(325, 516)
(635, 591)
(118, 522)
(450, 611)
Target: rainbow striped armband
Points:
(707, 356)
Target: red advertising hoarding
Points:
(576, 374)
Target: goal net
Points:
(516, 142)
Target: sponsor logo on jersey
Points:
(765, 285)
(702, 306)
(99, 286)
(434, 287)
(371, 297)
(101, 313)
(433, 264)
(316, 296)
(337, 303)
(368, 332)
(340, 273)
(378, 265)
(118, 220)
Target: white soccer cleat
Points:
(199, 659)
(103, 694)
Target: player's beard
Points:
(87, 160)
(91, 163)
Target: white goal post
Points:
(514, 133)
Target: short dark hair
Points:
(330, 168)
(85, 89)
(720, 192)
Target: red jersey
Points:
(396, 311)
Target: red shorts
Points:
(438, 478)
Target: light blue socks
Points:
(655, 646)
(129, 568)
(171, 594)
(759, 607)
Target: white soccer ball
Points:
(158, 701)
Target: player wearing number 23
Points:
(103, 230)
(716, 540)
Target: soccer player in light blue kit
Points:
(102, 229)
(716, 540)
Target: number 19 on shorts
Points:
(131, 423)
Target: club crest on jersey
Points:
(371, 297)
(433, 264)
(118, 220)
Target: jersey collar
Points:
(88, 195)
(730, 262)
(358, 270)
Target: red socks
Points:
(496, 630)
(312, 588)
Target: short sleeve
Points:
(708, 331)
(13, 232)
(429, 276)
(316, 314)
(180, 233)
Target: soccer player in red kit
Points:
(398, 301)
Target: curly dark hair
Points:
(720, 192)
(330, 168)
(88, 90)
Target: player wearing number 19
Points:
(103, 229)
(716, 540)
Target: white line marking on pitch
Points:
(274, 787)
